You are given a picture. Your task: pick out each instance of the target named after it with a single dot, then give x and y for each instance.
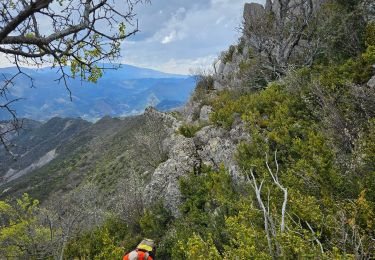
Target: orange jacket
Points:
(141, 255)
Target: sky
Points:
(181, 36)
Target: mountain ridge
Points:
(126, 91)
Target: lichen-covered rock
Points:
(218, 147)
(252, 13)
(164, 183)
(238, 133)
(205, 113)
(191, 110)
(211, 145)
(219, 67)
(163, 117)
(371, 82)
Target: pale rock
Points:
(205, 113)
(164, 183)
(238, 133)
(163, 117)
(216, 147)
(253, 12)
(211, 145)
(371, 82)
(218, 86)
(219, 67)
(228, 69)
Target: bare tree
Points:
(149, 139)
(79, 33)
(278, 30)
(71, 215)
(128, 203)
(268, 218)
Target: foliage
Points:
(311, 149)
(228, 56)
(339, 29)
(307, 119)
(189, 130)
(205, 85)
(21, 233)
(208, 196)
(370, 34)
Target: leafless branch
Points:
(269, 223)
(79, 33)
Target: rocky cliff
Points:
(210, 145)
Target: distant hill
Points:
(122, 92)
(56, 156)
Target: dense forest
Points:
(307, 184)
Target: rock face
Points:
(253, 12)
(216, 146)
(164, 183)
(371, 82)
(205, 113)
(211, 146)
(163, 117)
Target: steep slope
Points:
(36, 145)
(65, 153)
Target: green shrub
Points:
(228, 57)
(205, 85)
(370, 34)
(176, 114)
(189, 130)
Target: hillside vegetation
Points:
(306, 187)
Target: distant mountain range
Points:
(122, 92)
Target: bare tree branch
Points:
(268, 217)
(76, 33)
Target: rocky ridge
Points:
(211, 145)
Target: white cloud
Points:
(179, 35)
(169, 38)
(192, 37)
(61, 101)
(4, 61)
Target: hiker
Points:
(144, 251)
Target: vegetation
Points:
(189, 130)
(229, 55)
(307, 189)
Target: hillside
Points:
(61, 153)
(272, 157)
(36, 145)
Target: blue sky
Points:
(179, 35)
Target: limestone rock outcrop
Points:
(164, 183)
(211, 146)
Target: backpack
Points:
(137, 255)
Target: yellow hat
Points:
(146, 244)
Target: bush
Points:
(205, 85)
(370, 34)
(228, 56)
(189, 130)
